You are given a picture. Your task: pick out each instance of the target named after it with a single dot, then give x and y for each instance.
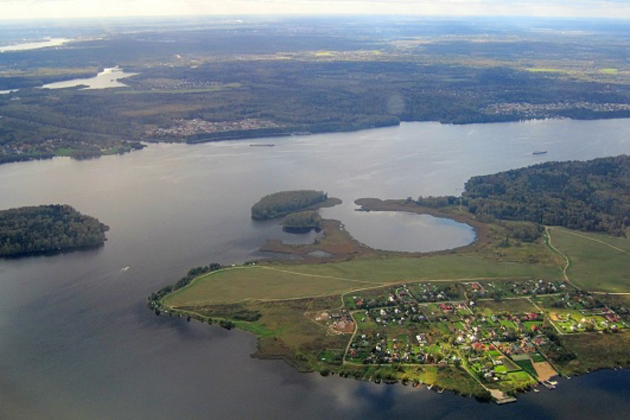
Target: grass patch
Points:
(596, 351)
(527, 366)
(597, 262)
(301, 281)
(508, 305)
(537, 358)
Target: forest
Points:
(583, 195)
(285, 202)
(338, 76)
(47, 228)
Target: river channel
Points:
(76, 341)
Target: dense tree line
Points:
(49, 228)
(183, 282)
(285, 202)
(592, 195)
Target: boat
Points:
(263, 145)
(539, 152)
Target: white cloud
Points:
(24, 9)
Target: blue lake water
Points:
(77, 342)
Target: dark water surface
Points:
(76, 341)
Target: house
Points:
(539, 341)
(612, 317)
(478, 346)
(446, 307)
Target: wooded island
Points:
(47, 228)
(286, 202)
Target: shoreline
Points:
(147, 142)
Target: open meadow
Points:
(597, 262)
(314, 280)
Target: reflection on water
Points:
(77, 342)
(108, 78)
(402, 231)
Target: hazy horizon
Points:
(72, 9)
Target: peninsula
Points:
(525, 303)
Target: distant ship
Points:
(539, 152)
(263, 145)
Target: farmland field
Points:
(597, 262)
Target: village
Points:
(503, 333)
(528, 110)
(185, 128)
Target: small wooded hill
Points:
(48, 228)
(592, 195)
(285, 202)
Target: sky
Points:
(42, 9)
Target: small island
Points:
(286, 202)
(302, 222)
(47, 229)
(542, 292)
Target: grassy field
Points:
(312, 280)
(597, 262)
(596, 351)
